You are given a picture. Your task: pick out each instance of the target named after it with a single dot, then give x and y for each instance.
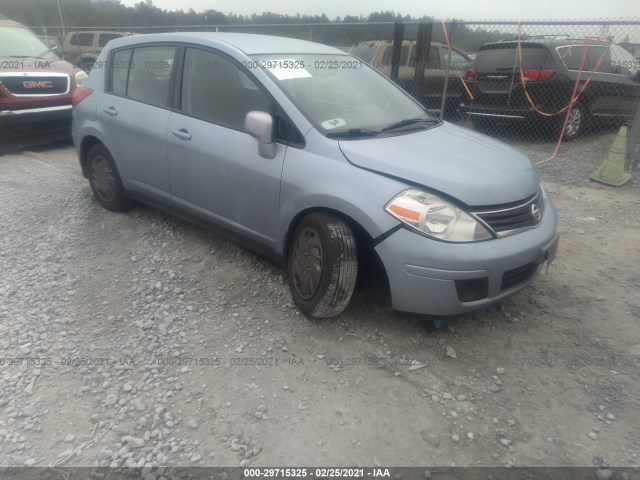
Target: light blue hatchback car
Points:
(306, 154)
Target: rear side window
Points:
(404, 55)
(458, 60)
(571, 55)
(107, 37)
(143, 73)
(217, 90)
(82, 39)
(434, 57)
(504, 58)
(364, 51)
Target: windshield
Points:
(341, 94)
(17, 42)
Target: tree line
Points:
(144, 16)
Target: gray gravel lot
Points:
(139, 340)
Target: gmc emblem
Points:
(38, 84)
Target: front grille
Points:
(510, 219)
(42, 85)
(518, 275)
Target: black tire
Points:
(105, 180)
(322, 265)
(87, 64)
(575, 123)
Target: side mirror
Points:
(260, 126)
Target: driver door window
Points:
(218, 91)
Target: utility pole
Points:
(64, 33)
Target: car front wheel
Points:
(105, 180)
(322, 265)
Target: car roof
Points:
(551, 42)
(247, 43)
(390, 40)
(110, 32)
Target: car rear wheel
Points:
(322, 265)
(105, 180)
(575, 123)
(87, 64)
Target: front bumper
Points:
(34, 126)
(431, 277)
(42, 114)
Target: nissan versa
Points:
(306, 154)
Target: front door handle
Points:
(110, 111)
(182, 134)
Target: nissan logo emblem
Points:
(535, 212)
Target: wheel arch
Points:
(87, 143)
(365, 243)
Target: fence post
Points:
(423, 43)
(398, 34)
(446, 73)
(631, 162)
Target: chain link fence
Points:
(517, 81)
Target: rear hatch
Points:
(495, 81)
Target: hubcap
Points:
(307, 263)
(103, 179)
(573, 123)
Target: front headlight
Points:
(436, 217)
(81, 77)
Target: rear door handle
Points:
(182, 134)
(110, 111)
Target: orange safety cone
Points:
(611, 172)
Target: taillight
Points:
(470, 75)
(537, 75)
(80, 94)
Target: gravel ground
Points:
(139, 340)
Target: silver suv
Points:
(308, 155)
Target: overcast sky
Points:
(458, 9)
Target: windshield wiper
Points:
(407, 122)
(354, 132)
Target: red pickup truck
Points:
(35, 89)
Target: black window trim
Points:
(176, 101)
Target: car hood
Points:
(38, 65)
(458, 162)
